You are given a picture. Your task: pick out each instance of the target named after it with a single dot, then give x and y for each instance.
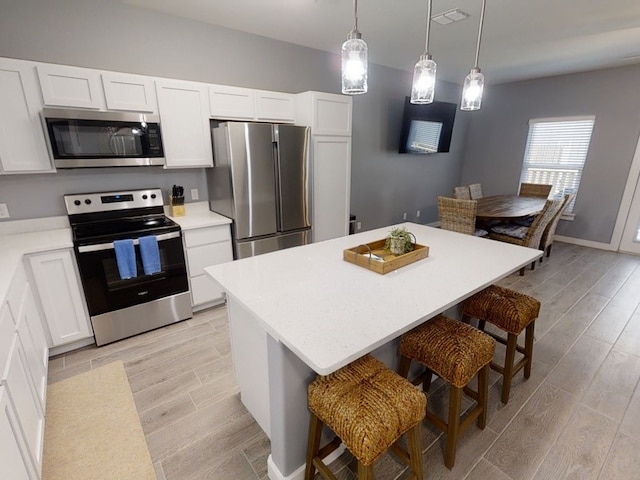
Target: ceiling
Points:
(522, 39)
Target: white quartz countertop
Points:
(330, 312)
(15, 245)
(198, 215)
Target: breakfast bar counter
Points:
(305, 311)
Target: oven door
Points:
(106, 292)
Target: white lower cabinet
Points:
(22, 419)
(14, 456)
(58, 287)
(203, 247)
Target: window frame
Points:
(527, 164)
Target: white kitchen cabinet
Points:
(23, 148)
(135, 93)
(237, 103)
(65, 86)
(58, 287)
(184, 116)
(15, 463)
(331, 159)
(21, 407)
(325, 113)
(203, 247)
(234, 103)
(275, 106)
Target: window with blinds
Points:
(424, 136)
(555, 154)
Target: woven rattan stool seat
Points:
(456, 352)
(507, 309)
(367, 405)
(453, 350)
(511, 312)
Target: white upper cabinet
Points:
(231, 102)
(275, 106)
(64, 86)
(22, 144)
(129, 92)
(237, 103)
(326, 113)
(184, 116)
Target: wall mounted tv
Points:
(427, 128)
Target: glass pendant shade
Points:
(424, 80)
(472, 90)
(354, 65)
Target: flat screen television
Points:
(427, 128)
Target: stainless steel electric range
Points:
(121, 307)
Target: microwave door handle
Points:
(109, 246)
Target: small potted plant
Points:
(400, 241)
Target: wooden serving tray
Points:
(389, 262)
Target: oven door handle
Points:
(109, 246)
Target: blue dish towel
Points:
(150, 254)
(125, 258)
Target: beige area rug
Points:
(93, 431)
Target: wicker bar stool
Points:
(369, 408)
(456, 352)
(511, 312)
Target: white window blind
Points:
(555, 154)
(424, 136)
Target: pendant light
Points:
(424, 73)
(354, 60)
(474, 83)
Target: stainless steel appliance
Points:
(123, 308)
(260, 180)
(82, 138)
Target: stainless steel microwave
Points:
(83, 138)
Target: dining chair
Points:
(475, 189)
(547, 236)
(459, 216)
(462, 193)
(527, 236)
(535, 190)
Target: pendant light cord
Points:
(355, 15)
(484, 4)
(426, 43)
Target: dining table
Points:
(305, 311)
(506, 207)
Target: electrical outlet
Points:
(194, 194)
(404, 216)
(358, 225)
(4, 211)
(417, 213)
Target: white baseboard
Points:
(585, 243)
(275, 474)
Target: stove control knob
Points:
(144, 197)
(77, 203)
(88, 201)
(153, 195)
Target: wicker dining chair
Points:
(527, 236)
(535, 190)
(547, 236)
(459, 216)
(475, 189)
(462, 193)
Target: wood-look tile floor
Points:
(577, 417)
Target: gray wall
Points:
(112, 36)
(498, 134)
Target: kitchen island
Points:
(304, 311)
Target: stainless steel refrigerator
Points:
(260, 179)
